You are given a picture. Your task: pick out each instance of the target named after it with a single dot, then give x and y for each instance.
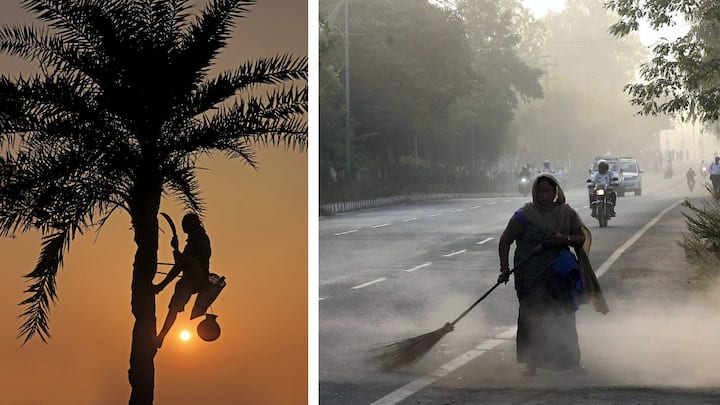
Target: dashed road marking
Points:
(457, 210)
(476, 207)
(418, 267)
(378, 280)
(435, 214)
(455, 253)
(323, 298)
(414, 386)
(380, 225)
(346, 232)
(410, 219)
(491, 203)
(484, 241)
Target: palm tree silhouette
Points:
(116, 118)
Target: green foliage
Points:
(702, 243)
(683, 76)
(427, 84)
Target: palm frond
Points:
(42, 287)
(35, 43)
(203, 39)
(166, 17)
(183, 185)
(68, 17)
(275, 70)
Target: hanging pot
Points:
(208, 329)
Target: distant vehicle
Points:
(631, 173)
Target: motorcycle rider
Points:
(690, 176)
(703, 169)
(524, 172)
(604, 177)
(546, 168)
(533, 171)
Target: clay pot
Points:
(208, 329)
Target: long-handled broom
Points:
(408, 351)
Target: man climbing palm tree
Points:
(194, 263)
(120, 110)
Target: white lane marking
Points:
(454, 364)
(410, 219)
(507, 200)
(379, 280)
(475, 207)
(484, 241)
(346, 232)
(586, 206)
(323, 298)
(418, 267)
(380, 226)
(457, 210)
(435, 214)
(420, 383)
(455, 253)
(616, 254)
(491, 203)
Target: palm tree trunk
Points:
(144, 208)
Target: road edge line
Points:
(625, 246)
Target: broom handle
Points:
(477, 302)
(537, 249)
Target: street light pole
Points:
(348, 160)
(345, 33)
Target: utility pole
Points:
(345, 33)
(546, 69)
(348, 160)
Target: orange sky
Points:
(257, 222)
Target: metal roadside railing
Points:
(345, 206)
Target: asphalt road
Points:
(392, 273)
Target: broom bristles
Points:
(406, 352)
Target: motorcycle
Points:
(691, 184)
(703, 172)
(668, 172)
(602, 206)
(524, 186)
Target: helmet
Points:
(546, 163)
(603, 166)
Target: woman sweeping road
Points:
(552, 282)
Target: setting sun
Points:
(184, 336)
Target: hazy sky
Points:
(648, 36)
(257, 222)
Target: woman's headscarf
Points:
(554, 217)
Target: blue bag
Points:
(566, 266)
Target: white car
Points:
(631, 172)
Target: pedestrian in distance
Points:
(550, 281)
(714, 170)
(690, 176)
(194, 263)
